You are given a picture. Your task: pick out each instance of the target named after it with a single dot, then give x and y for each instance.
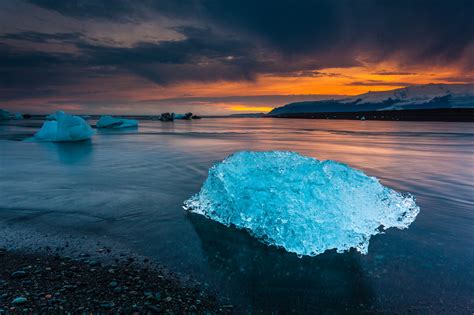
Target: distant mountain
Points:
(453, 97)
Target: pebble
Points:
(153, 308)
(18, 274)
(107, 305)
(54, 287)
(19, 300)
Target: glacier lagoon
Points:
(127, 187)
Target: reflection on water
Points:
(129, 185)
(126, 130)
(272, 279)
(72, 153)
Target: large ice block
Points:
(299, 203)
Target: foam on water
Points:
(299, 203)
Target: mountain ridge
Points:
(416, 97)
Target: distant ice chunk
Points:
(18, 116)
(63, 127)
(54, 115)
(113, 122)
(186, 116)
(299, 203)
(4, 114)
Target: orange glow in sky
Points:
(244, 108)
(130, 89)
(341, 81)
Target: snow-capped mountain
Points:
(430, 96)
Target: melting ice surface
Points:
(63, 127)
(299, 203)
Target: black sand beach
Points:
(48, 283)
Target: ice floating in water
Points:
(63, 127)
(4, 114)
(299, 203)
(112, 122)
(54, 115)
(187, 116)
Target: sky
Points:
(223, 57)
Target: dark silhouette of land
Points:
(444, 114)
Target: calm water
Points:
(129, 186)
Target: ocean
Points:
(127, 187)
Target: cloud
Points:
(415, 31)
(385, 72)
(208, 41)
(203, 55)
(378, 83)
(123, 10)
(37, 37)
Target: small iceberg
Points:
(166, 117)
(63, 127)
(115, 123)
(4, 114)
(174, 116)
(187, 116)
(299, 203)
(18, 116)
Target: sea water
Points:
(128, 187)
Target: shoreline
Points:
(433, 115)
(52, 283)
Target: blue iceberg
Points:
(4, 114)
(299, 203)
(115, 123)
(63, 127)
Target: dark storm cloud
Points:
(378, 83)
(31, 69)
(116, 9)
(384, 72)
(306, 74)
(421, 29)
(36, 37)
(236, 40)
(203, 55)
(29, 73)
